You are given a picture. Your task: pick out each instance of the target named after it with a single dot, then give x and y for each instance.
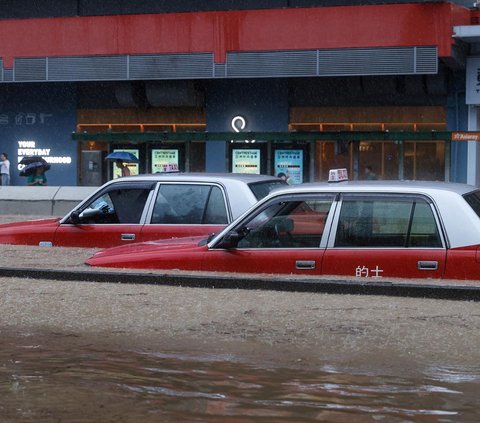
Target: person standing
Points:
(370, 174)
(123, 168)
(37, 178)
(4, 169)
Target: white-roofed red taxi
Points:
(147, 207)
(369, 229)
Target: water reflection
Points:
(39, 382)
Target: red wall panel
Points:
(221, 32)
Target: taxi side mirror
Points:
(75, 217)
(230, 240)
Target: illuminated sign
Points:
(465, 136)
(245, 161)
(290, 163)
(238, 124)
(29, 148)
(164, 161)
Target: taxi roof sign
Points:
(337, 175)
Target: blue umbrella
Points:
(124, 156)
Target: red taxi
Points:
(370, 229)
(147, 207)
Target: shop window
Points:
(196, 154)
(381, 156)
(333, 155)
(424, 161)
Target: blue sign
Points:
(290, 164)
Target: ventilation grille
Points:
(344, 62)
(8, 75)
(271, 64)
(426, 60)
(220, 70)
(30, 69)
(305, 63)
(366, 62)
(93, 68)
(171, 66)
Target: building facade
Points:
(296, 87)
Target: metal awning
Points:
(467, 33)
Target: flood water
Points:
(40, 382)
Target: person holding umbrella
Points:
(37, 177)
(123, 167)
(120, 158)
(35, 168)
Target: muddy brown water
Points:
(105, 352)
(88, 352)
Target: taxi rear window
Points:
(473, 199)
(262, 189)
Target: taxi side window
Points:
(190, 204)
(287, 224)
(116, 206)
(387, 222)
(129, 204)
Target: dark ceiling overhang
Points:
(144, 137)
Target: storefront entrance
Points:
(393, 142)
(154, 155)
(304, 156)
(390, 160)
(400, 157)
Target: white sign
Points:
(365, 272)
(337, 175)
(29, 148)
(473, 81)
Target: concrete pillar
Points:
(473, 155)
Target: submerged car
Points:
(147, 207)
(370, 229)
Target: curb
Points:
(328, 286)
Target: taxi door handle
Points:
(128, 237)
(427, 265)
(305, 264)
